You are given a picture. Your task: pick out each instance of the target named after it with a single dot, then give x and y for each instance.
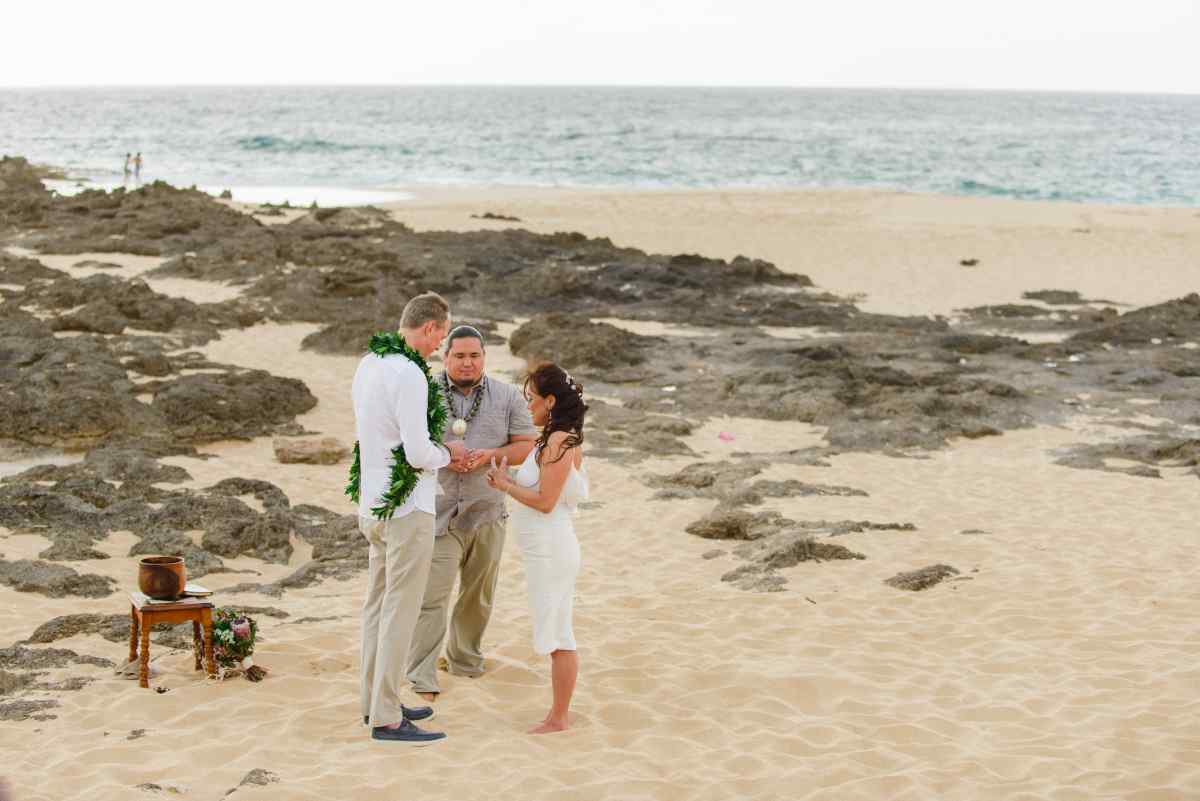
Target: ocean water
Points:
(365, 141)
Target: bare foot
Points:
(430, 697)
(547, 727)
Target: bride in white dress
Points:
(548, 486)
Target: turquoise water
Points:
(1085, 147)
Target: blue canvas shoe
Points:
(407, 732)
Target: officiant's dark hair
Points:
(465, 332)
(569, 409)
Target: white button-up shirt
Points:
(391, 405)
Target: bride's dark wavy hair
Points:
(569, 409)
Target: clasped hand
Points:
(472, 459)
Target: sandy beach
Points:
(1059, 663)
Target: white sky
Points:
(1100, 45)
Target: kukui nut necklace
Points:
(459, 426)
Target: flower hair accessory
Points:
(571, 383)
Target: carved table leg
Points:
(133, 633)
(197, 643)
(144, 668)
(209, 664)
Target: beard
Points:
(465, 383)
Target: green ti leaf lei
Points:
(404, 476)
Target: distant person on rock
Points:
(128, 166)
(137, 167)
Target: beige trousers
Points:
(475, 554)
(401, 549)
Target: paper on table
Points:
(144, 599)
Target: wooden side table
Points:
(143, 614)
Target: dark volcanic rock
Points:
(783, 550)
(259, 777)
(1007, 311)
(114, 628)
(921, 579)
(339, 551)
(1174, 320)
(1152, 451)
(22, 270)
(75, 393)
(155, 219)
(265, 536)
(24, 710)
(350, 337)
(576, 343)
(71, 546)
(231, 528)
(241, 405)
(18, 657)
(867, 398)
(106, 304)
(334, 537)
(266, 493)
(976, 344)
(790, 548)
(755, 578)
(1056, 297)
(92, 264)
(23, 198)
(13, 682)
(791, 488)
(25, 505)
(70, 392)
(732, 524)
(708, 479)
(840, 527)
(726, 482)
(614, 432)
(135, 465)
(55, 581)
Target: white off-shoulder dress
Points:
(550, 553)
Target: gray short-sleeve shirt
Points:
(467, 502)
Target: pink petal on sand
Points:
(725, 436)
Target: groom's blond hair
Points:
(429, 307)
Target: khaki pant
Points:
(475, 554)
(401, 549)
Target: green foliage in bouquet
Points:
(233, 635)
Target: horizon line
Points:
(647, 86)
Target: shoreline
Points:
(59, 179)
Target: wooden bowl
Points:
(162, 577)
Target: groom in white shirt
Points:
(391, 397)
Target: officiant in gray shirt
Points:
(493, 419)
